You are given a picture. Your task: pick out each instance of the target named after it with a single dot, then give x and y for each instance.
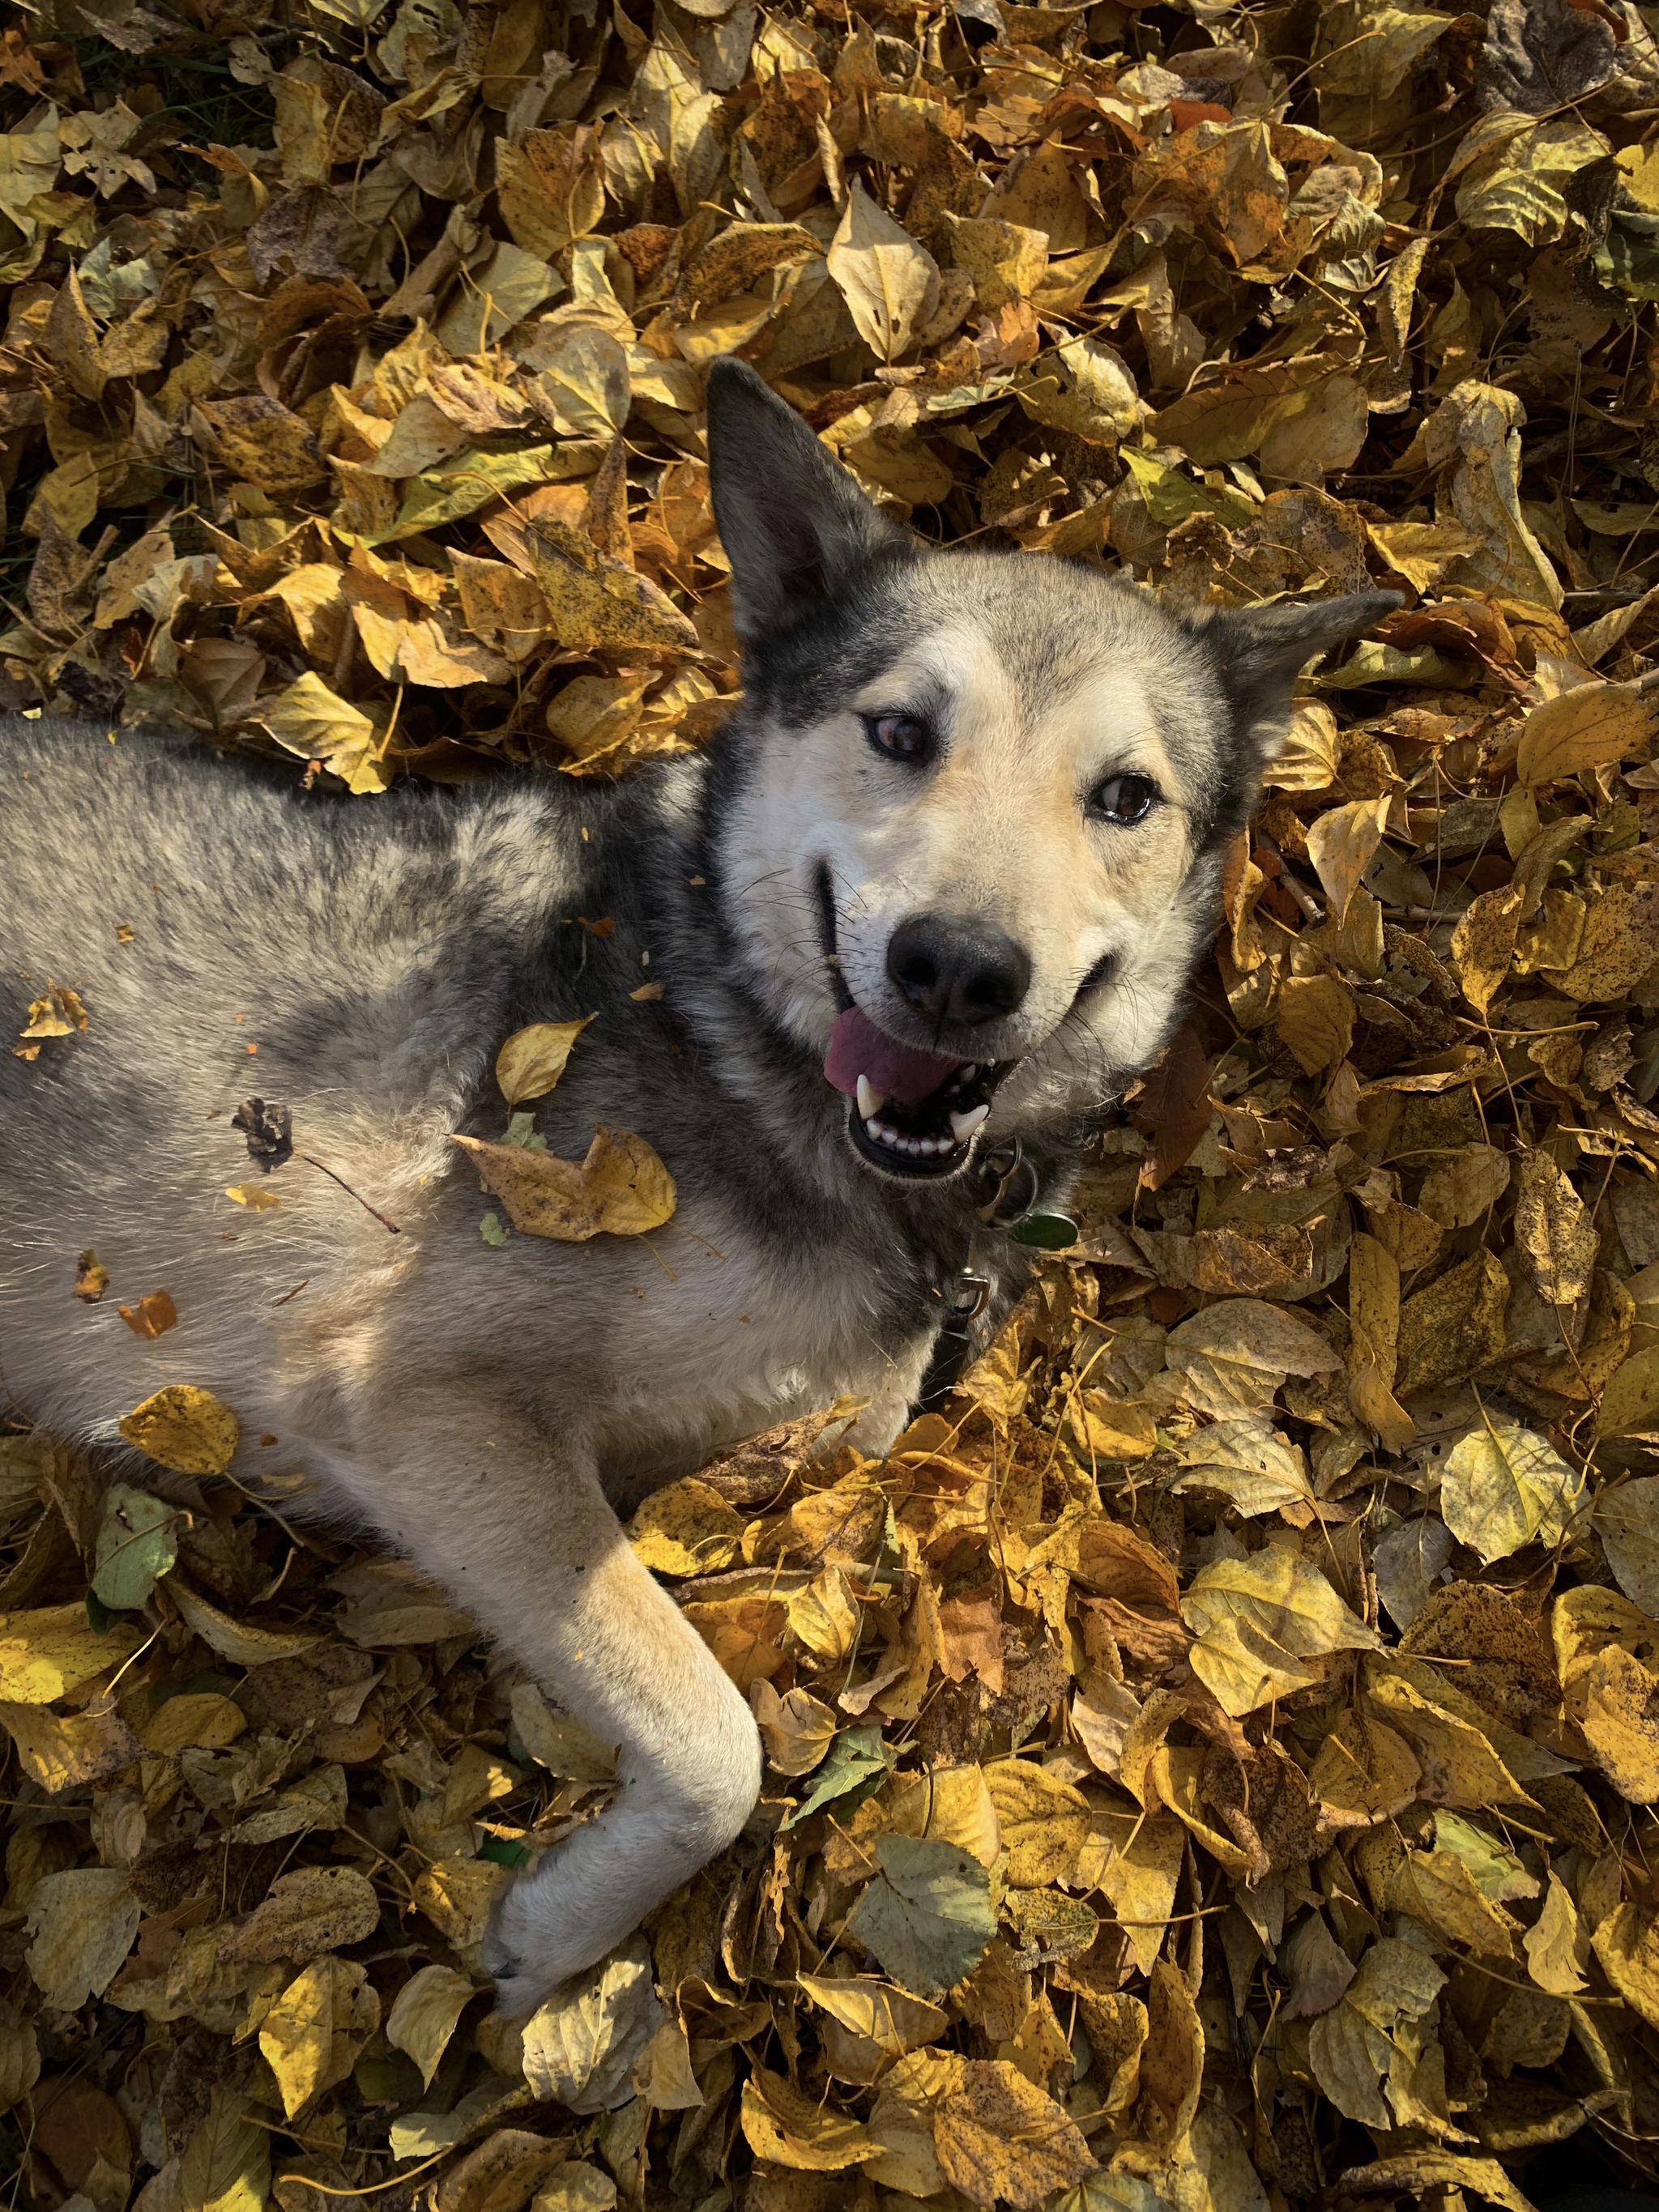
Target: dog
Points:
(937, 890)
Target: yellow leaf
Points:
(455, 1895)
(312, 2034)
(825, 1617)
(1454, 1326)
(792, 2130)
(197, 1720)
(556, 1741)
(1437, 1889)
(1001, 2139)
(423, 650)
(57, 1013)
(1042, 1819)
(81, 1924)
(575, 2186)
(1364, 1772)
(532, 1059)
(1556, 1946)
(1482, 942)
(252, 1195)
(687, 1528)
(1503, 1485)
(1363, 2043)
(1373, 1353)
(183, 1427)
(423, 2016)
(1553, 1234)
(552, 186)
(595, 601)
(889, 283)
(226, 2167)
(951, 1805)
(1256, 1618)
(1315, 1020)
(620, 1188)
(241, 1641)
(310, 719)
(49, 1654)
(1586, 728)
(306, 1913)
(1461, 1190)
(797, 1730)
(65, 1751)
(879, 2011)
(1342, 843)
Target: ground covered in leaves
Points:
(1210, 1764)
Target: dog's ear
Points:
(794, 524)
(1258, 651)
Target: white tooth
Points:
(872, 1128)
(871, 1101)
(967, 1074)
(962, 1126)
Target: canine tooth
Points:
(962, 1126)
(967, 1074)
(871, 1101)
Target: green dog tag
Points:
(1048, 1232)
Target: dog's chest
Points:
(751, 1333)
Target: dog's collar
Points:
(1012, 1207)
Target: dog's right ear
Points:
(795, 526)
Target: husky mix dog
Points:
(939, 887)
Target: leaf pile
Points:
(1210, 1764)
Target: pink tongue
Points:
(898, 1071)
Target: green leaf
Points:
(503, 1851)
(927, 1916)
(1496, 1873)
(491, 1230)
(859, 1761)
(136, 1544)
(100, 1618)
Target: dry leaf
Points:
(621, 1188)
(532, 1059)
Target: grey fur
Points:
(486, 1409)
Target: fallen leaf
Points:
(620, 1188)
(152, 1315)
(423, 2016)
(927, 1916)
(80, 1926)
(532, 1059)
(1502, 1486)
(137, 1542)
(183, 1427)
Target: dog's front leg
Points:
(519, 1530)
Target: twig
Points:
(346, 1188)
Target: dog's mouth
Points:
(912, 1113)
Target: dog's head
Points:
(981, 799)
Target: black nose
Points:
(957, 968)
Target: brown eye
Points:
(901, 737)
(1124, 799)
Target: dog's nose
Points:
(958, 969)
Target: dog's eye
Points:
(901, 737)
(1125, 800)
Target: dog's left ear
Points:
(1260, 650)
(795, 526)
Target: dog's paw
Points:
(526, 1967)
